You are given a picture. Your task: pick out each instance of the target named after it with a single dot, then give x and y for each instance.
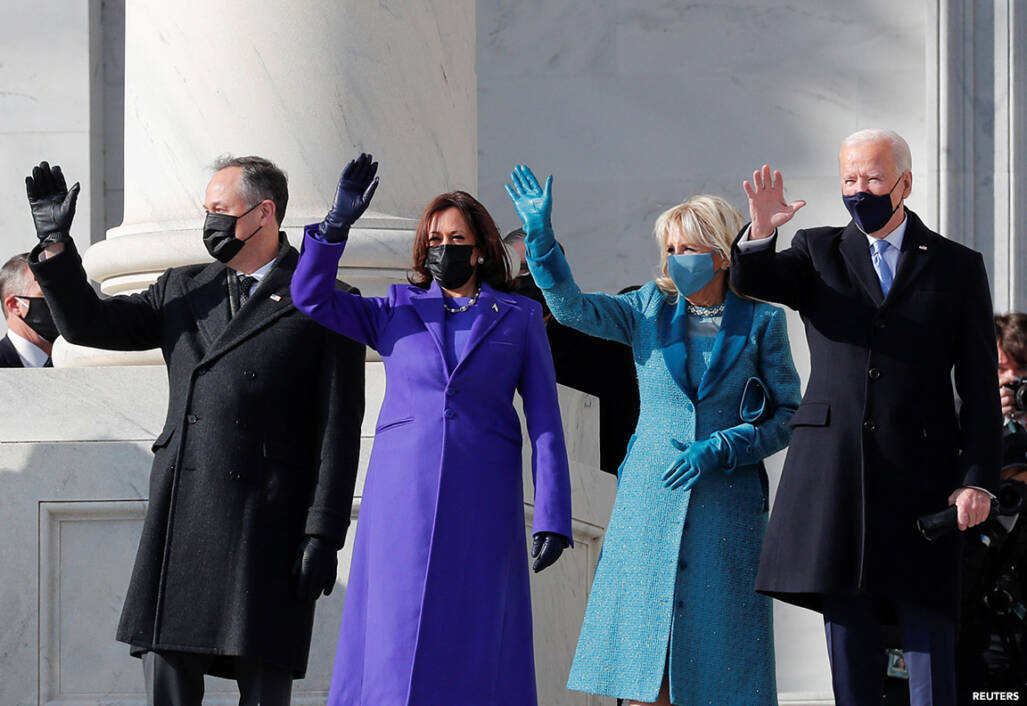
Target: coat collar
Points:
(731, 339)
(270, 300)
(912, 260)
(492, 306)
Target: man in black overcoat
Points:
(878, 440)
(253, 475)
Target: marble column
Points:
(307, 85)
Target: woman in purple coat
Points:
(437, 606)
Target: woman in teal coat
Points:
(672, 617)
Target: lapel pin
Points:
(275, 298)
(923, 247)
(495, 308)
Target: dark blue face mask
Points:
(871, 211)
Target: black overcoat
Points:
(259, 449)
(877, 440)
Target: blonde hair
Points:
(703, 219)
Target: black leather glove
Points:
(53, 205)
(356, 187)
(546, 548)
(316, 565)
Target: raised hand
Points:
(546, 548)
(767, 207)
(356, 187)
(52, 204)
(534, 204)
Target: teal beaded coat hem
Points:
(674, 587)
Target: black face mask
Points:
(39, 319)
(219, 235)
(450, 265)
(871, 211)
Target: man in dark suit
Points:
(253, 475)
(30, 327)
(893, 314)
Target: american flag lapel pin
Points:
(495, 308)
(923, 247)
(275, 298)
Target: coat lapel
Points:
(856, 252)
(914, 256)
(428, 305)
(269, 301)
(208, 300)
(492, 307)
(731, 339)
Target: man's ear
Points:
(12, 306)
(267, 210)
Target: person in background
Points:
(438, 609)
(672, 617)
(1011, 336)
(598, 366)
(30, 327)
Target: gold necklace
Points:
(470, 302)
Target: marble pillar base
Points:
(74, 466)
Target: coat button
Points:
(192, 419)
(449, 413)
(869, 425)
(450, 391)
(201, 371)
(879, 323)
(249, 375)
(874, 373)
(681, 604)
(682, 564)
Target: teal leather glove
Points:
(535, 206)
(696, 458)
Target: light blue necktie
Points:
(884, 273)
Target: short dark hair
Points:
(495, 270)
(261, 179)
(15, 276)
(1011, 333)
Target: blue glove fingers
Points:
(678, 445)
(522, 184)
(547, 192)
(688, 480)
(675, 470)
(529, 179)
(509, 192)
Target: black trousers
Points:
(176, 679)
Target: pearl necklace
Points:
(471, 302)
(705, 312)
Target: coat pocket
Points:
(163, 439)
(385, 426)
(811, 414)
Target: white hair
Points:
(899, 147)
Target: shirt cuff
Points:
(746, 245)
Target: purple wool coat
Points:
(437, 605)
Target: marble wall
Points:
(74, 464)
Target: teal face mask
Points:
(691, 272)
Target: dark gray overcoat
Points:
(877, 441)
(259, 449)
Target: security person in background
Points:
(253, 475)
(30, 327)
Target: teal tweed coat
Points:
(674, 585)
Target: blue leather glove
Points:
(535, 207)
(546, 548)
(356, 187)
(696, 458)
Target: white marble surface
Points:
(74, 467)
